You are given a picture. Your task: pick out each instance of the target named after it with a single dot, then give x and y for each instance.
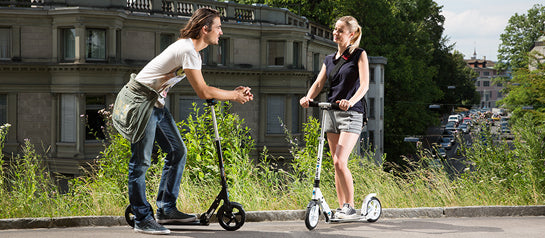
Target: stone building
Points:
(63, 60)
(489, 90)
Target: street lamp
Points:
(452, 87)
(411, 139)
(434, 106)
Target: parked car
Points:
(454, 118)
(505, 130)
(450, 126)
(467, 120)
(451, 135)
(441, 152)
(464, 128)
(445, 143)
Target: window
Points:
(381, 107)
(276, 52)
(372, 75)
(280, 116)
(185, 106)
(295, 116)
(3, 109)
(96, 44)
(486, 83)
(68, 118)
(297, 54)
(68, 43)
(478, 83)
(165, 40)
(95, 122)
(204, 55)
(275, 113)
(316, 62)
(486, 73)
(5, 43)
(371, 140)
(371, 108)
(221, 56)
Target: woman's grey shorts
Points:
(347, 121)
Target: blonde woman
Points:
(348, 86)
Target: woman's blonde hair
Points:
(353, 25)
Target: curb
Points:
(287, 215)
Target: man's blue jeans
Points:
(161, 128)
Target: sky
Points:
(476, 25)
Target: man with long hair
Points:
(140, 115)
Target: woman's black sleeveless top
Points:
(347, 81)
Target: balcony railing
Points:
(252, 14)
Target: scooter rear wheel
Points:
(129, 215)
(374, 210)
(231, 217)
(312, 215)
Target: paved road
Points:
(480, 227)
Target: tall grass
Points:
(500, 174)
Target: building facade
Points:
(61, 61)
(489, 90)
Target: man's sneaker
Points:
(151, 227)
(173, 216)
(347, 212)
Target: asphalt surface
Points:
(289, 215)
(467, 227)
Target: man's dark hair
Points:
(201, 17)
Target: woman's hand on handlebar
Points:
(304, 101)
(344, 104)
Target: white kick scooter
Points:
(370, 209)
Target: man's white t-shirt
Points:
(182, 54)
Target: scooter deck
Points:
(338, 220)
(192, 223)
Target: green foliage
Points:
(519, 36)
(503, 173)
(26, 187)
(497, 169)
(526, 88)
(236, 143)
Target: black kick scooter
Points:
(231, 215)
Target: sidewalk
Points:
(287, 215)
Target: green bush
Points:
(500, 174)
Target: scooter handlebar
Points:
(211, 102)
(324, 105)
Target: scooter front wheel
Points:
(312, 215)
(231, 217)
(374, 210)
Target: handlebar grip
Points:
(211, 102)
(313, 104)
(324, 105)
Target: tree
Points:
(409, 34)
(520, 34)
(526, 94)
